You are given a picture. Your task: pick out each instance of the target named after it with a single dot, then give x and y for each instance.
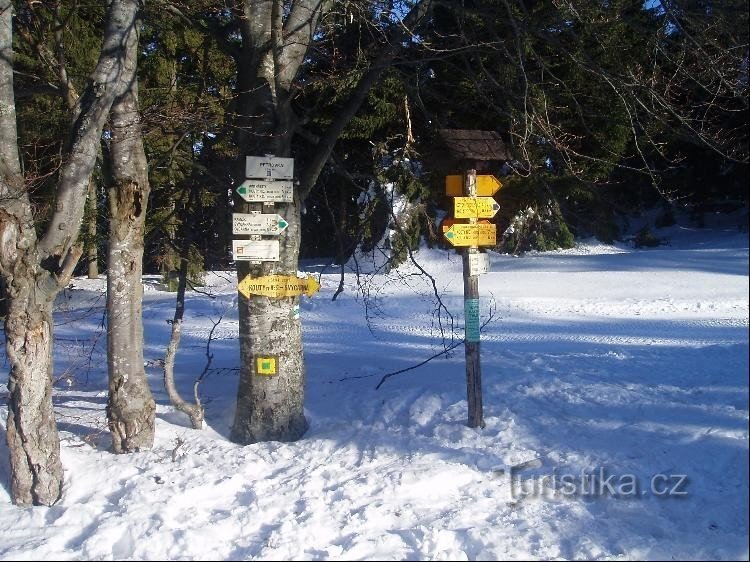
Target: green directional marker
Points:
(242, 190)
(282, 224)
(449, 235)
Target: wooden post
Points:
(471, 321)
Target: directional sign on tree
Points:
(255, 250)
(269, 167)
(487, 185)
(472, 234)
(277, 286)
(268, 224)
(475, 207)
(266, 191)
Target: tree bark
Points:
(33, 270)
(130, 407)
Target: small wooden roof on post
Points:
(469, 147)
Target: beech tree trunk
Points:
(276, 37)
(273, 48)
(37, 473)
(130, 407)
(34, 270)
(271, 408)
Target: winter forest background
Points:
(608, 109)
(124, 127)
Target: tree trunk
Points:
(36, 469)
(271, 408)
(195, 411)
(34, 270)
(131, 407)
(91, 238)
(276, 36)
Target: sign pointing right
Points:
(475, 207)
(278, 286)
(487, 185)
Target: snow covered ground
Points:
(615, 400)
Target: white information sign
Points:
(266, 191)
(268, 224)
(255, 250)
(478, 264)
(269, 167)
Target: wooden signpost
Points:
(472, 235)
(469, 150)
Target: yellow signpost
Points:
(475, 207)
(487, 186)
(472, 234)
(278, 286)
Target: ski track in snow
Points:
(596, 358)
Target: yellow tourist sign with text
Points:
(475, 207)
(487, 185)
(472, 234)
(278, 286)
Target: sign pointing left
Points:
(472, 234)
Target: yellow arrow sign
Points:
(487, 185)
(472, 234)
(475, 207)
(277, 286)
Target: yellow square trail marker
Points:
(475, 207)
(266, 365)
(487, 185)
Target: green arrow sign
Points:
(268, 224)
